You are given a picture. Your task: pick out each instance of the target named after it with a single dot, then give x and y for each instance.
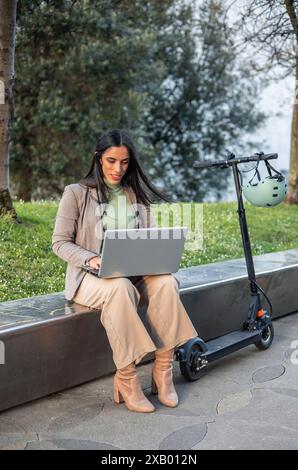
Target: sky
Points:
(277, 100)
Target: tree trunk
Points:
(292, 196)
(25, 176)
(7, 48)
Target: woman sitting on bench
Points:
(86, 210)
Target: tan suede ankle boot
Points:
(162, 378)
(127, 389)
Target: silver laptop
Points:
(137, 252)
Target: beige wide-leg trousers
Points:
(119, 299)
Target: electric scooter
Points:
(195, 355)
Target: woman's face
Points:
(115, 161)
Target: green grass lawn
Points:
(29, 267)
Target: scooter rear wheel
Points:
(266, 338)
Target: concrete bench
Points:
(51, 344)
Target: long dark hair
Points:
(134, 176)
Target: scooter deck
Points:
(230, 343)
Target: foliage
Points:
(167, 73)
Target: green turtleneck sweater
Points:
(113, 219)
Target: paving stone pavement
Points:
(248, 400)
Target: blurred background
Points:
(183, 76)
(190, 79)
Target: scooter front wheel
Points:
(192, 364)
(266, 338)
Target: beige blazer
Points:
(78, 231)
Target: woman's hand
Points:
(94, 262)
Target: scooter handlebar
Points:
(232, 161)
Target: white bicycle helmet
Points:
(268, 191)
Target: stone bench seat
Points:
(51, 344)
